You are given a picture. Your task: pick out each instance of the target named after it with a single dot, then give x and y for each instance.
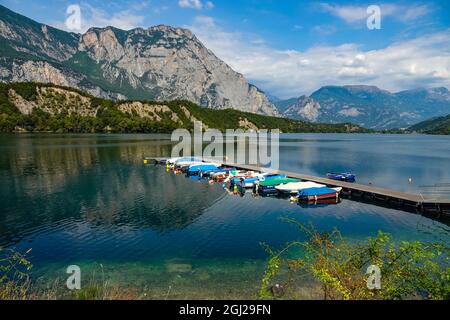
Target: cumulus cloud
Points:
(195, 4)
(95, 17)
(424, 61)
(353, 14)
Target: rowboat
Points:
(295, 187)
(347, 177)
(316, 194)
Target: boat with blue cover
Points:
(347, 177)
(315, 194)
(196, 168)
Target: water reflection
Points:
(96, 179)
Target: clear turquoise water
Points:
(89, 200)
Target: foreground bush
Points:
(409, 270)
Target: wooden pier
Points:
(436, 208)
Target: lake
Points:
(88, 200)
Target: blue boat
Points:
(315, 194)
(347, 177)
(195, 169)
(248, 182)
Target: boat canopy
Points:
(203, 167)
(277, 182)
(316, 192)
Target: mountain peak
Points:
(159, 63)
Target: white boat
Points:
(237, 174)
(187, 164)
(295, 187)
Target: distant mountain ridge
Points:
(439, 125)
(368, 106)
(158, 63)
(35, 107)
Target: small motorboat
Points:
(347, 177)
(268, 185)
(295, 187)
(184, 166)
(236, 177)
(248, 182)
(212, 172)
(268, 176)
(220, 176)
(316, 194)
(196, 168)
(175, 161)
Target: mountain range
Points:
(36, 107)
(164, 63)
(158, 63)
(368, 106)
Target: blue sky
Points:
(288, 47)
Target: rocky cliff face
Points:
(159, 63)
(303, 108)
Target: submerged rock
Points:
(278, 290)
(179, 268)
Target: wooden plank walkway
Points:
(355, 191)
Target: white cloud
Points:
(352, 14)
(424, 61)
(195, 4)
(95, 17)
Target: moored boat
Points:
(196, 168)
(295, 187)
(269, 185)
(268, 176)
(347, 177)
(316, 194)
